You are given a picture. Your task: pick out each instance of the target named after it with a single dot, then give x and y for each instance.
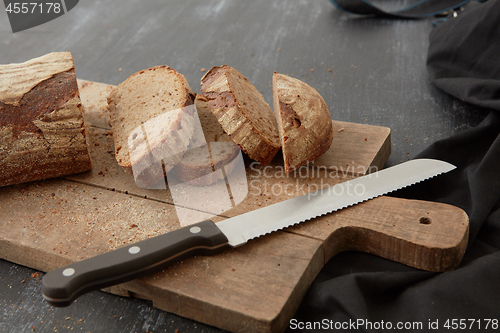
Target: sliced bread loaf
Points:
(305, 125)
(42, 132)
(242, 112)
(152, 122)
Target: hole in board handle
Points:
(425, 220)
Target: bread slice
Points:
(212, 150)
(242, 112)
(305, 125)
(152, 122)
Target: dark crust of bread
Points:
(305, 125)
(241, 127)
(43, 158)
(39, 101)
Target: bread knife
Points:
(63, 285)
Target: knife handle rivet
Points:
(134, 250)
(68, 272)
(195, 230)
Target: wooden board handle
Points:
(425, 235)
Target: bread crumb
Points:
(203, 69)
(341, 130)
(312, 69)
(120, 69)
(329, 69)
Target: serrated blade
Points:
(241, 228)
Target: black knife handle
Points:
(63, 285)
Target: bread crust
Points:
(42, 132)
(304, 121)
(242, 112)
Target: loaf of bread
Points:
(211, 150)
(152, 119)
(42, 132)
(242, 112)
(305, 125)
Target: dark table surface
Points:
(369, 70)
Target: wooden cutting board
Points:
(254, 288)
